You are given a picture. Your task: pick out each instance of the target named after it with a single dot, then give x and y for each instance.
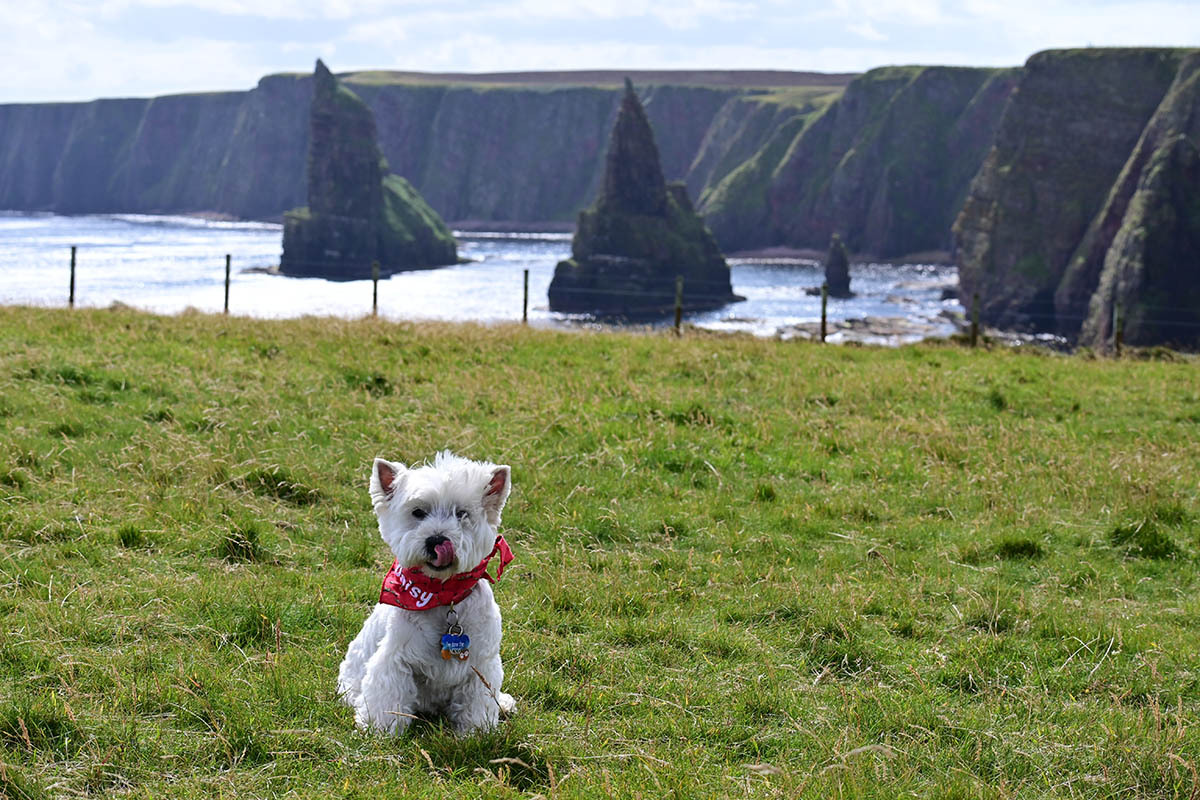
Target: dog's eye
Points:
(420, 513)
(462, 514)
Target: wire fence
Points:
(1184, 332)
(663, 289)
(659, 299)
(1051, 317)
(664, 296)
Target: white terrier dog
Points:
(432, 645)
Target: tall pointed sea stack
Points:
(357, 213)
(639, 236)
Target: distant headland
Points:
(1060, 188)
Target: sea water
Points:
(167, 264)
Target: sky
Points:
(60, 50)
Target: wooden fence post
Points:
(678, 304)
(227, 270)
(824, 306)
(1118, 328)
(975, 320)
(71, 296)
(374, 288)
(525, 302)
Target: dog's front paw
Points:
(348, 694)
(479, 718)
(470, 727)
(392, 723)
(508, 705)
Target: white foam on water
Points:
(167, 264)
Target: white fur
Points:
(394, 669)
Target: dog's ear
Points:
(386, 478)
(495, 493)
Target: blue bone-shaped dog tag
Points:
(456, 645)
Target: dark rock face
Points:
(1041, 220)
(344, 160)
(522, 153)
(357, 214)
(641, 234)
(837, 269)
(633, 176)
(1078, 160)
(1152, 271)
(259, 171)
(887, 164)
(515, 152)
(1148, 235)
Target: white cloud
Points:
(269, 9)
(693, 11)
(1072, 23)
(379, 31)
(66, 57)
(917, 12)
(71, 50)
(479, 53)
(867, 31)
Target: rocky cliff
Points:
(886, 165)
(1150, 273)
(775, 158)
(504, 152)
(640, 236)
(1084, 197)
(1064, 176)
(357, 214)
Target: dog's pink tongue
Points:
(445, 554)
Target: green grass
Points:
(803, 97)
(744, 567)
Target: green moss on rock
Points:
(887, 164)
(411, 227)
(357, 214)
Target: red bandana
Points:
(410, 588)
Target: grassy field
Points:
(743, 567)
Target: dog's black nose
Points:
(441, 552)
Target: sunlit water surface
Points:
(167, 264)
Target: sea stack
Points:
(641, 233)
(357, 212)
(837, 269)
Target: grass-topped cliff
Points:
(519, 147)
(775, 158)
(611, 78)
(743, 566)
(886, 164)
(1063, 189)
